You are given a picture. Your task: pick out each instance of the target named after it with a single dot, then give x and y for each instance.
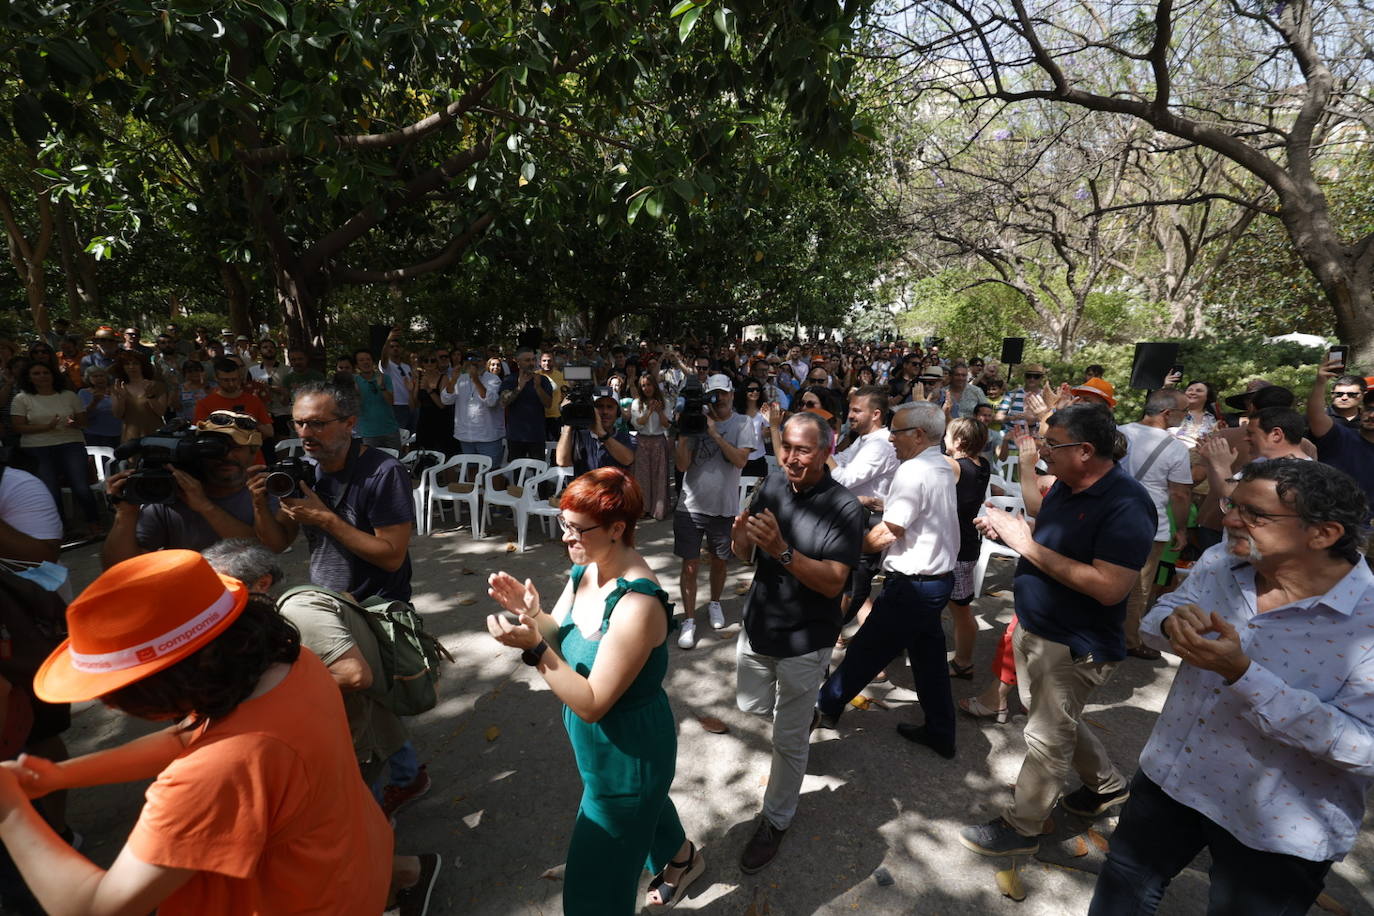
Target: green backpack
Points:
(410, 656)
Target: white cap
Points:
(719, 383)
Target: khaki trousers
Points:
(1056, 737)
(1139, 601)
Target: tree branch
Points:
(444, 258)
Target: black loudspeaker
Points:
(376, 339)
(531, 337)
(1152, 363)
(1013, 348)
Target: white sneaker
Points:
(717, 615)
(688, 637)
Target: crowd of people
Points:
(1235, 540)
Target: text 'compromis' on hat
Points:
(139, 617)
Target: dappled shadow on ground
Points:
(506, 789)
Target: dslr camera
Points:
(580, 410)
(179, 444)
(284, 478)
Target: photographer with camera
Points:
(189, 491)
(584, 447)
(354, 501)
(713, 446)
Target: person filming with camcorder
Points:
(186, 487)
(589, 438)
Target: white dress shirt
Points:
(476, 418)
(921, 501)
(1282, 758)
(867, 466)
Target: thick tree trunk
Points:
(29, 256)
(1344, 272)
(78, 267)
(236, 291)
(304, 328)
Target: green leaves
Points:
(687, 23)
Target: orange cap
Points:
(137, 618)
(1097, 387)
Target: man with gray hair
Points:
(1162, 465)
(919, 531)
(808, 530)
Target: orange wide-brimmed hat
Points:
(139, 617)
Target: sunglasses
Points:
(221, 418)
(1035, 375)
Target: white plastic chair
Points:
(541, 507)
(1006, 486)
(409, 460)
(291, 448)
(103, 457)
(991, 548)
(470, 469)
(517, 474)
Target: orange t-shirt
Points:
(269, 808)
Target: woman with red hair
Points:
(603, 650)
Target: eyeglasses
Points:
(1249, 515)
(1334, 394)
(902, 429)
(811, 403)
(1035, 375)
(314, 424)
(221, 418)
(568, 527)
(1045, 443)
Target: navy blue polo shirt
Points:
(1113, 520)
(1346, 450)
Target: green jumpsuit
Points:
(626, 821)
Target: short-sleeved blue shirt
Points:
(525, 414)
(1113, 520)
(1346, 450)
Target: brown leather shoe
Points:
(762, 847)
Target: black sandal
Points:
(962, 672)
(693, 868)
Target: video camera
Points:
(580, 410)
(284, 478)
(691, 418)
(179, 444)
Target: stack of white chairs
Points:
(409, 460)
(991, 548)
(469, 469)
(517, 475)
(544, 508)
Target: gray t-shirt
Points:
(329, 628)
(711, 484)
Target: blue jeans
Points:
(1158, 836)
(495, 450)
(402, 768)
(905, 616)
(56, 464)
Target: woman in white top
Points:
(749, 401)
(1199, 419)
(49, 420)
(651, 415)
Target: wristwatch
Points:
(785, 558)
(603, 439)
(531, 657)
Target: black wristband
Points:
(605, 438)
(531, 657)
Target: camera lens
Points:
(280, 484)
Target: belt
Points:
(921, 578)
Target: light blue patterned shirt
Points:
(1283, 758)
